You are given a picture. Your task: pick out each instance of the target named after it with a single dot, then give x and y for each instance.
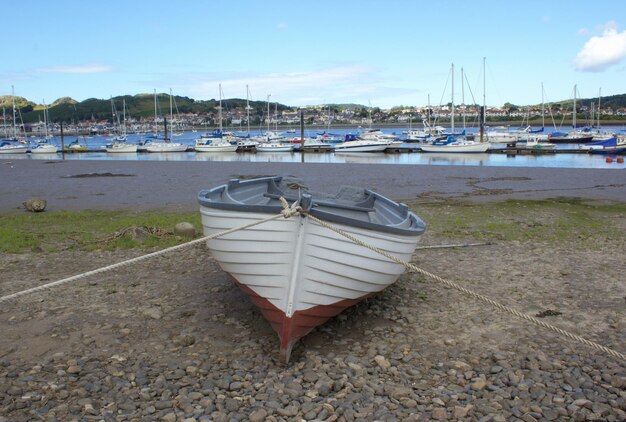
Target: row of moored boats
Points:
(433, 139)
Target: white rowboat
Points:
(296, 271)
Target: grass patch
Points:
(587, 224)
(550, 220)
(53, 231)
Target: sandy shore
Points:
(73, 185)
(172, 339)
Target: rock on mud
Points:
(35, 205)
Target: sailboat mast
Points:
(463, 97)
(452, 101)
(124, 114)
(171, 115)
(45, 118)
(574, 110)
(156, 130)
(220, 107)
(543, 123)
(268, 112)
(429, 111)
(276, 116)
(113, 114)
(248, 107)
(14, 122)
(599, 98)
(484, 91)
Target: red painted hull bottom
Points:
(290, 329)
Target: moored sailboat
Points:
(164, 144)
(453, 143)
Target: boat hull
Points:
(570, 139)
(476, 147)
(165, 147)
(45, 149)
(215, 148)
(122, 148)
(14, 150)
(374, 147)
(300, 273)
(276, 149)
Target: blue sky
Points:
(383, 53)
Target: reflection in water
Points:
(565, 160)
(442, 158)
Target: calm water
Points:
(565, 160)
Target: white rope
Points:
(289, 211)
(468, 292)
(284, 214)
(455, 245)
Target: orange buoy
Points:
(609, 159)
(620, 159)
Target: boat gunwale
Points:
(416, 226)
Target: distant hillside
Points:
(67, 109)
(611, 101)
(64, 100)
(140, 105)
(6, 102)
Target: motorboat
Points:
(354, 144)
(214, 145)
(274, 146)
(44, 148)
(120, 147)
(298, 272)
(457, 145)
(8, 147)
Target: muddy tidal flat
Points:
(172, 339)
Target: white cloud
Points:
(341, 83)
(282, 25)
(601, 52)
(582, 31)
(90, 68)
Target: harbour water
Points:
(560, 159)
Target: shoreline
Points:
(140, 185)
(173, 339)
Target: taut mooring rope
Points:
(471, 293)
(286, 213)
(289, 211)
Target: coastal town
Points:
(237, 114)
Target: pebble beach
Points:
(173, 339)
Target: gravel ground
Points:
(173, 339)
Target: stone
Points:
(288, 411)
(184, 340)
(401, 392)
(258, 415)
(382, 362)
(185, 229)
(73, 369)
(461, 412)
(457, 364)
(152, 312)
(35, 205)
(439, 413)
(170, 417)
(478, 385)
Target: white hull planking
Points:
(296, 264)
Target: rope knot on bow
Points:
(289, 210)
